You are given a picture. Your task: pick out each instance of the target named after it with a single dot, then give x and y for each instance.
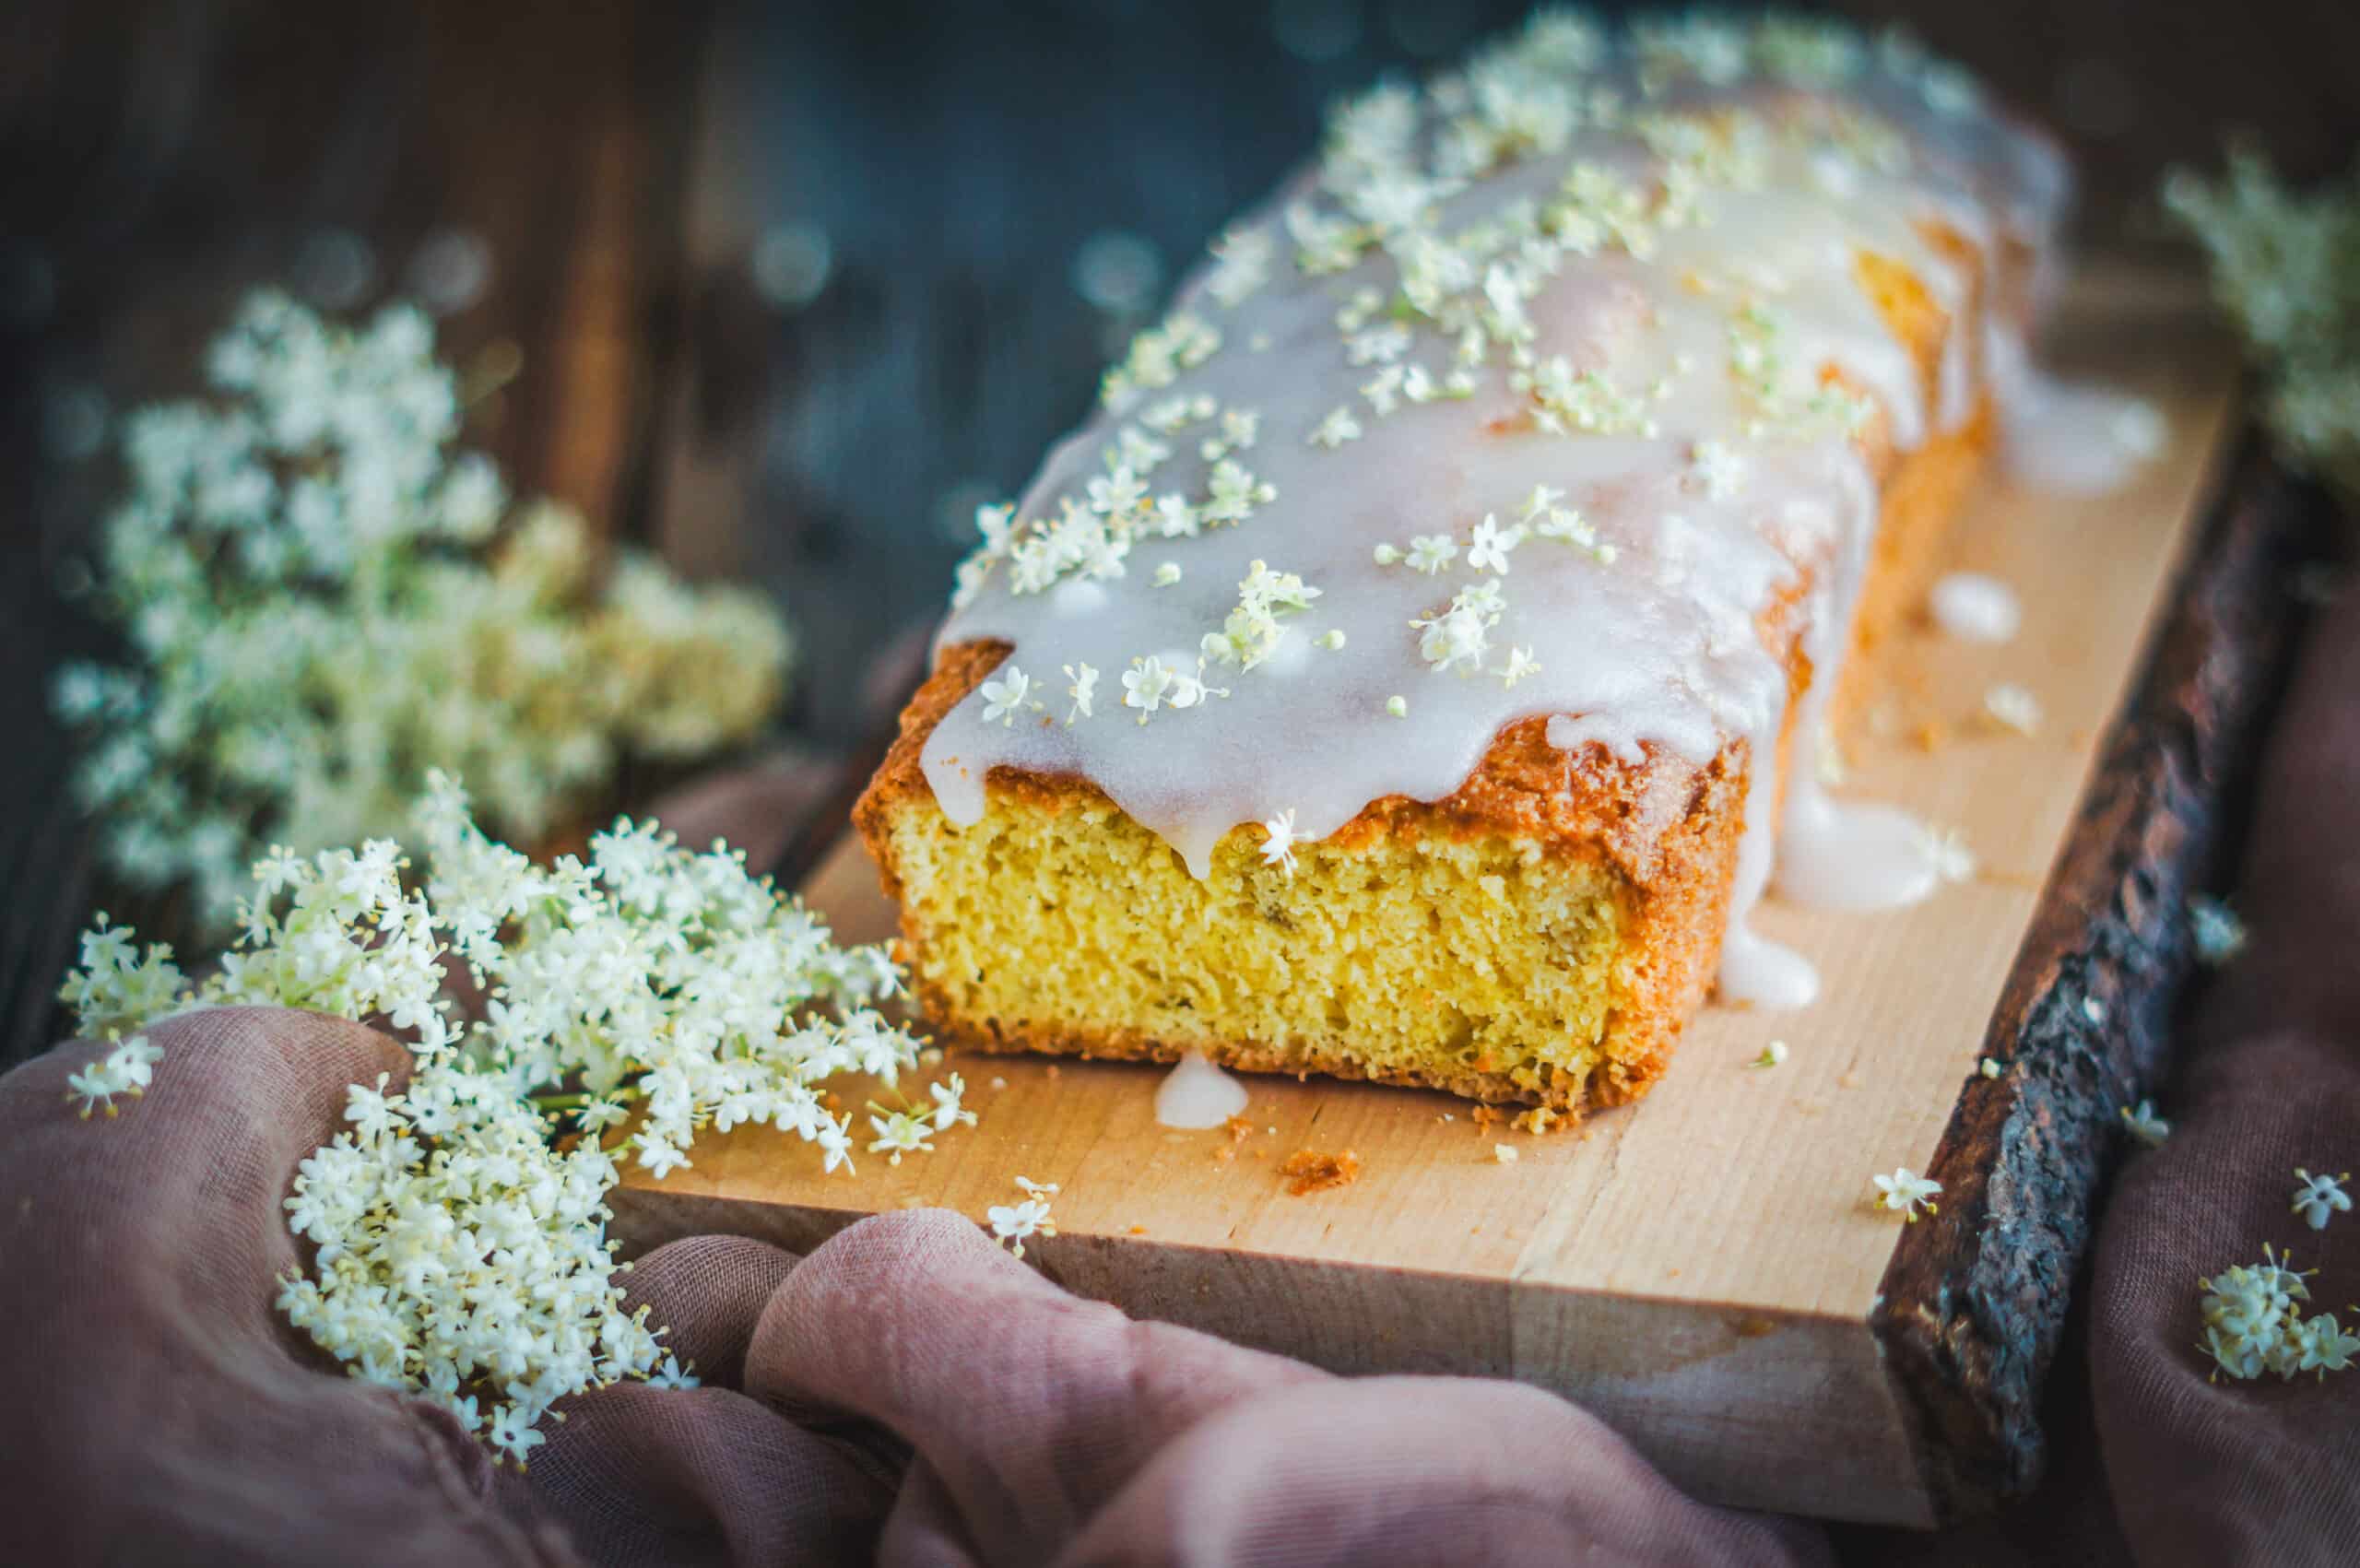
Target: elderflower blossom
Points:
(459, 1256)
(2321, 1197)
(322, 598)
(1489, 545)
(1008, 696)
(1430, 553)
(1947, 853)
(2141, 1123)
(1904, 1192)
(1084, 687)
(1337, 427)
(127, 1068)
(1278, 846)
(1013, 1222)
(2218, 932)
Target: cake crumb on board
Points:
(1309, 1171)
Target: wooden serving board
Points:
(1704, 1271)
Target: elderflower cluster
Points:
(321, 597)
(461, 1255)
(1779, 399)
(1253, 631)
(2252, 1325)
(2285, 267)
(1091, 538)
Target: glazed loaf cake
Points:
(1416, 667)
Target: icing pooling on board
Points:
(2066, 436)
(1198, 1094)
(1975, 609)
(1703, 499)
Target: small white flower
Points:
(1233, 493)
(1008, 696)
(899, 1133)
(1491, 544)
(1772, 1054)
(95, 1088)
(2318, 1197)
(1520, 664)
(2321, 1346)
(1457, 636)
(1990, 1067)
(1430, 553)
(1150, 683)
(1278, 840)
(1137, 451)
(2219, 934)
(1388, 554)
(512, 1433)
(1337, 428)
(672, 1374)
(1167, 574)
(2142, 1124)
(1083, 684)
(1904, 1192)
(1332, 639)
(133, 1064)
(1505, 1154)
(1013, 1223)
(1174, 518)
(1116, 494)
(1946, 852)
(1398, 705)
(949, 1107)
(1540, 503)
(1716, 469)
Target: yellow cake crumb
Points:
(1309, 1171)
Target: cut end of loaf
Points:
(1470, 961)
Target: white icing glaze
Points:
(2071, 437)
(1198, 1094)
(1650, 643)
(1849, 854)
(1757, 972)
(1975, 609)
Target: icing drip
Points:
(1521, 467)
(2058, 435)
(1975, 609)
(1757, 972)
(1198, 1094)
(1842, 854)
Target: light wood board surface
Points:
(1698, 1269)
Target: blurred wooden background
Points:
(783, 290)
